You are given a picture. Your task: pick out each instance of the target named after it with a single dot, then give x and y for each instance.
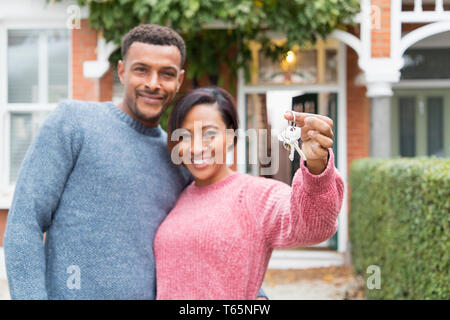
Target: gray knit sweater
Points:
(98, 183)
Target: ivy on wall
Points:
(217, 31)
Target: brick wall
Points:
(3, 215)
(106, 86)
(358, 116)
(358, 112)
(84, 48)
(381, 29)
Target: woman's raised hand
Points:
(317, 136)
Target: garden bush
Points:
(399, 221)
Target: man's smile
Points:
(150, 98)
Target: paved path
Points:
(332, 283)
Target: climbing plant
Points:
(217, 31)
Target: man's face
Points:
(152, 76)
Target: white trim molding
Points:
(97, 68)
(421, 33)
(303, 259)
(381, 73)
(349, 39)
(35, 11)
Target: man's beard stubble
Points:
(141, 116)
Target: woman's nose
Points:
(199, 148)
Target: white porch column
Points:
(380, 127)
(380, 73)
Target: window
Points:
(426, 63)
(37, 66)
(299, 66)
(37, 77)
(420, 121)
(23, 128)
(435, 119)
(307, 65)
(407, 126)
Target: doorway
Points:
(264, 112)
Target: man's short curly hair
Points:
(154, 34)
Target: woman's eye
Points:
(210, 133)
(185, 137)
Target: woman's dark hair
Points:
(211, 95)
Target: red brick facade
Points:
(381, 28)
(358, 116)
(3, 215)
(84, 48)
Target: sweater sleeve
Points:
(301, 215)
(42, 177)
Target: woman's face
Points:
(204, 142)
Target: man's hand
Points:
(317, 137)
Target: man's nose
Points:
(152, 81)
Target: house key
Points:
(290, 137)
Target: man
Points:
(98, 181)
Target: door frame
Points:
(341, 90)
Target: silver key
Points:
(290, 137)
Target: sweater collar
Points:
(215, 186)
(133, 123)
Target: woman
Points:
(217, 240)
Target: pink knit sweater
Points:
(217, 241)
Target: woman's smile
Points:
(202, 163)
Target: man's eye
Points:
(140, 69)
(168, 74)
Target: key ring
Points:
(294, 124)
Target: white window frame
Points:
(6, 188)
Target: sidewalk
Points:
(330, 283)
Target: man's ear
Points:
(180, 79)
(120, 70)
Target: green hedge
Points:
(399, 221)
